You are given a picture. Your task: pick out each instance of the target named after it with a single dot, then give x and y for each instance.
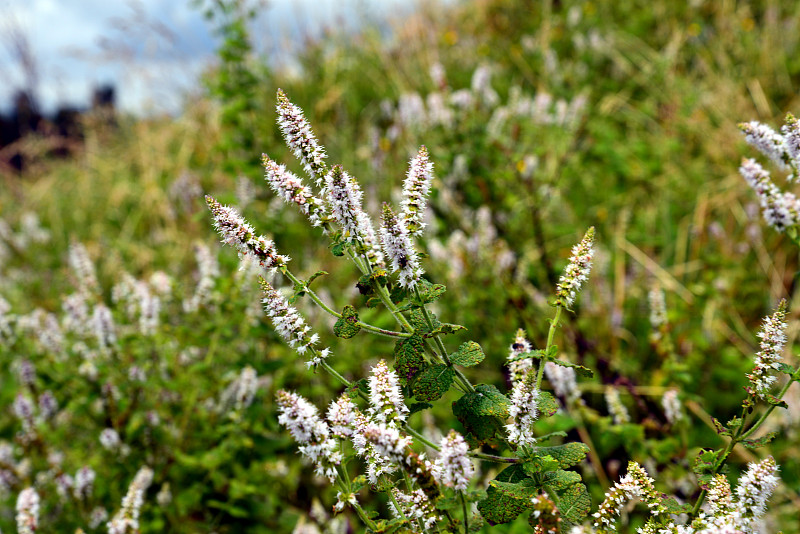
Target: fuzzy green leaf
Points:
(434, 382)
(560, 479)
(721, 430)
(418, 407)
(444, 328)
(547, 404)
(417, 320)
(364, 285)
(483, 413)
(347, 326)
(580, 369)
(514, 473)
(505, 501)
(315, 276)
(775, 401)
(338, 248)
(759, 442)
(704, 464)
(674, 507)
(430, 292)
(574, 503)
(409, 358)
(468, 354)
(786, 368)
(567, 454)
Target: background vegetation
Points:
(629, 126)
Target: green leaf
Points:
(430, 292)
(721, 430)
(347, 326)
(468, 354)
(704, 464)
(409, 356)
(547, 404)
(338, 248)
(567, 454)
(434, 382)
(674, 507)
(315, 276)
(505, 501)
(483, 413)
(574, 503)
(775, 401)
(444, 328)
(364, 285)
(580, 369)
(786, 368)
(560, 479)
(514, 473)
(417, 320)
(759, 442)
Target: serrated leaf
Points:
(338, 248)
(674, 507)
(580, 369)
(721, 430)
(347, 326)
(417, 320)
(364, 285)
(483, 413)
(513, 473)
(734, 423)
(775, 401)
(434, 382)
(574, 503)
(430, 292)
(444, 328)
(547, 404)
(468, 354)
(315, 276)
(398, 294)
(567, 454)
(786, 368)
(537, 464)
(704, 463)
(505, 501)
(759, 442)
(560, 479)
(409, 358)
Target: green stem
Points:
(335, 373)
(422, 438)
(464, 508)
(363, 515)
(550, 335)
(763, 418)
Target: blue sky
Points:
(153, 50)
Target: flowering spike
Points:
(398, 249)
(290, 188)
(344, 197)
(563, 380)
(519, 368)
(577, 272)
(524, 410)
(84, 270)
(342, 416)
(791, 136)
(386, 400)
(27, 511)
(415, 506)
(767, 141)
(237, 232)
(289, 324)
(781, 210)
(773, 339)
(616, 409)
(634, 485)
(300, 138)
(302, 420)
(416, 187)
(672, 406)
(755, 488)
(127, 519)
(453, 468)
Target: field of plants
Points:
(519, 266)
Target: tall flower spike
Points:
(767, 141)
(577, 272)
(519, 368)
(27, 511)
(773, 339)
(755, 488)
(290, 188)
(616, 409)
(791, 136)
(344, 198)
(453, 468)
(416, 187)
(84, 270)
(302, 420)
(634, 485)
(289, 324)
(126, 521)
(298, 135)
(237, 232)
(385, 397)
(398, 249)
(524, 410)
(781, 210)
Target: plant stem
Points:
(764, 416)
(550, 335)
(464, 508)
